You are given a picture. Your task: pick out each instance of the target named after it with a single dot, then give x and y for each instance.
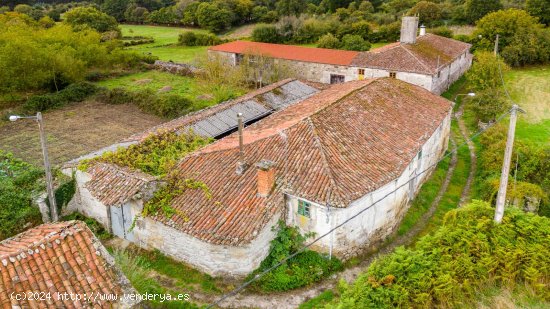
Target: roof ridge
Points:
(128, 171)
(419, 61)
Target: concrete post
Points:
(501, 197)
(49, 179)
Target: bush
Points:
(328, 41)
(88, 16)
(442, 31)
(305, 268)
(76, 92)
(355, 42)
(266, 34)
(450, 267)
(190, 38)
(20, 184)
(163, 105)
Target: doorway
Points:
(121, 221)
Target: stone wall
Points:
(451, 73)
(378, 222)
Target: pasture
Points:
(530, 89)
(165, 46)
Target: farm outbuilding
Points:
(320, 156)
(430, 61)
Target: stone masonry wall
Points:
(378, 222)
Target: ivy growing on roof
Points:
(155, 155)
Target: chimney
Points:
(266, 177)
(241, 164)
(422, 30)
(409, 28)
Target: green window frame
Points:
(304, 208)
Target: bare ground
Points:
(74, 130)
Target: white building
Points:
(428, 60)
(316, 161)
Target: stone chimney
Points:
(266, 177)
(409, 28)
(422, 30)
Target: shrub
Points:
(155, 155)
(190, 38)
(266, 34)
(448, 268)
(163, 105)
(73, 93)
(91, 17)
(305, 268)
(354, 42)
(20, 184)
(442, 31)
(328, 41)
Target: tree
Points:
(355, 42)
(115, 8)
(485, 72)
(540, 9)
(136, 14)
(328, 41)
(430, 13)
(23, 9)
(522, 39)
(290, 7)
(82, 17)
(266, 33)
(476, 9)
(214, 18)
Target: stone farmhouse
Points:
(311, 155)
(429, 61)
(62, 257)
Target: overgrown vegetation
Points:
(20, 184)
(92, 224)
(155, 155)
(304, 269)
(76, 92)
(468, 253)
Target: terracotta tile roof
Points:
(289, 52)
(57, 257)
(426, 56)
(113, 185)
(333, 147)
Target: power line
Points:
(258, 276)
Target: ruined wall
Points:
(377, 223)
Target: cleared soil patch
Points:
(74, 130)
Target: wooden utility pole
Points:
(496, 45)
(501, 197)
(49, 179)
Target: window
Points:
(361, 71)
(439, 74)
(393, 75)
(337, 79)
(304, 208)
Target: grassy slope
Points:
(165, 39)
(203, 95)
(530, 88)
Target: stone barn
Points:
(314, 162)
(428, 60)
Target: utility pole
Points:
(501, 197)
(496, 45)
(49, 179)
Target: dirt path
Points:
(465, 196)
(293, 299)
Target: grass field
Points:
(203, 94)
(165, 46)
(530, 89)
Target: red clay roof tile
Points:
(289, 52)
(55, 257)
